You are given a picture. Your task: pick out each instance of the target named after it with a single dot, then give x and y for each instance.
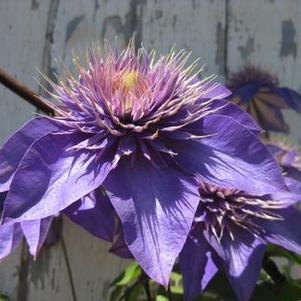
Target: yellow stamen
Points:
(129, 79)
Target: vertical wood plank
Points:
(47, 276)
(82, 22)
(265, 33)
(93, 267)
(22, 36)
(194, 25)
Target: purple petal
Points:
(248, 91)
(234, 111)
(216, 91)
(232, 157)
(15, 147)
(95, 214)
(293, 185)
(292, 98)
(156, 207)
(35, 232)
(119, 246)
(243, 258)
(270, 117)
(285, 233)
(197, 266)
(10, 237)
(51, 177)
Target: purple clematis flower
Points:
(142, 129)
(230, 231)
(258, 93)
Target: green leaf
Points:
(276, 251)
(161, 298)
(131, 273)
(115, 294)
(208, 297)
(176, 286)
(4, 297)
(133, 293)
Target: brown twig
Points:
(23, 91)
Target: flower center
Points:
(224, 209)
(129, 79)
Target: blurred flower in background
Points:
(258, 93)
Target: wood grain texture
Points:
(22, 43)
(92, 268)
(198, 26)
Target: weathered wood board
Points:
(226, 34)
(267, 34)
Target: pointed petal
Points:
(15, 147)
(119, 246)
(50, 178)
(270, 117)
(35, 232)
(232, 156)
(285, 233)
(95, 214)
(234, 111)
(156, 207)
(10, 237)
(243, 258)
(292, 98)
(197, 266)
(293, 185)
(216, 91)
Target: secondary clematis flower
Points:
(258, 93)
(143, 129)
(230, 231)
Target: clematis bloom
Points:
(142, 129)
(230, 231)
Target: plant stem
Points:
(169, 293)
(145, 282)
(147, 290)
(24, 92)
